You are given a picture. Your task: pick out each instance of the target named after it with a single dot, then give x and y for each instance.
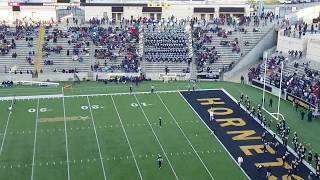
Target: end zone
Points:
(241, 135)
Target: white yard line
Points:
(5, 129)
(52, 96)
(214, 134)
(194, 150)
(97, 139)
(125, 133)
(165, 154)
(66, 135)
(35, 141)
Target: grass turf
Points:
(98, 132)
(118, 162)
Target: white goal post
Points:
(277, 114)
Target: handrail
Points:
(38, 56)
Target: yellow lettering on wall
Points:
(257, 148)
(210, 101)
(244, 135)
(231, 122)
(221, 111)
(278, 163)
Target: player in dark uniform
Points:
(253, 112)
(130, 89)
(310, 157)
(159, 159)
(302, 113)
(241, 97)
(248, 105)
(270, 102)
(310, 116)
(160, 121)
(246, 100)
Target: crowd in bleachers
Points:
(223, 27)
(299, 29)
(203, 54)
(165, 40)
(166, 43)
(273, 70)
(7, 83)
(5, 44)
(295, 54)
(114, 42)
(304, 85)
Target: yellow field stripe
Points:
(38, 56)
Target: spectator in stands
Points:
(7, 83)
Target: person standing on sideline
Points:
(310, 156)
(152, 88)
(130, 89)
(242, 79)
(211, 114)
(240, 160)
(159, 159)
(241, 97)
(193, 87)
(302, 113)
(310, 116)
(268, 173)
(270, 102)
(10, 109)
(296, 105)
(160, 121)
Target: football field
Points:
(115, 136)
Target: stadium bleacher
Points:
(102, 45)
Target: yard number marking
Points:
(92, 107)
(142, 103)
(32, 110)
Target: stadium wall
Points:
(6, 13)
(308, 44)
(305, 14)
(42, 77)
(289, 43)
(313, 48)
(34, 12)
(182, 10)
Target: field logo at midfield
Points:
(241, 135)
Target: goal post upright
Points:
(264, 82)
(276, 114)
(279, 96)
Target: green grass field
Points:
(118, 136)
